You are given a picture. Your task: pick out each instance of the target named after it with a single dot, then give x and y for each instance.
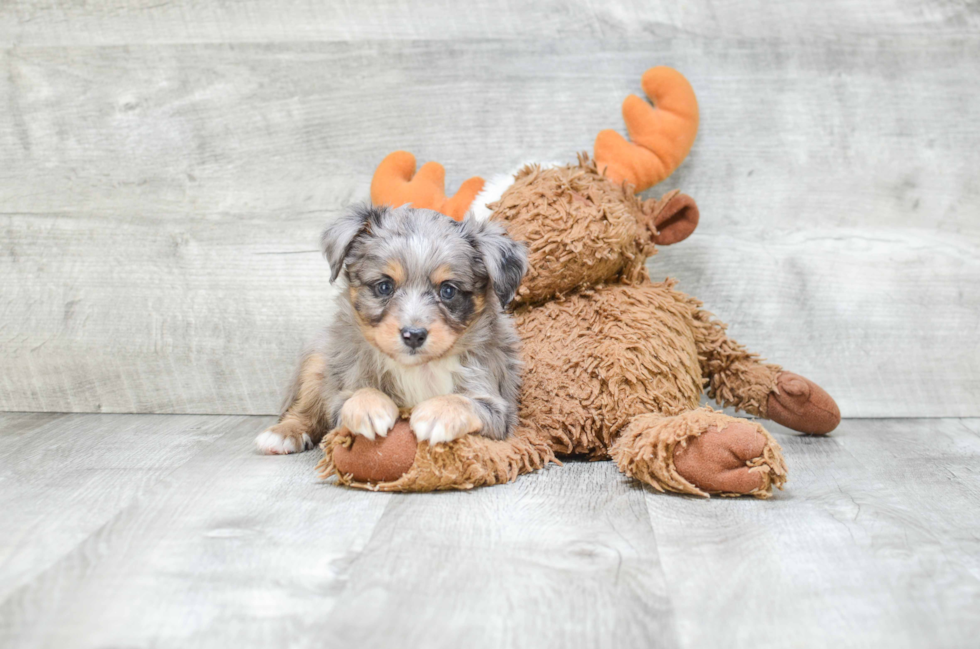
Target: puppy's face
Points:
(418, 280)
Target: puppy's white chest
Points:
(416, 384)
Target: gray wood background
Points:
(165, 169)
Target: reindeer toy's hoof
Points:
(384, 459)
(802, 405)
(701, 452)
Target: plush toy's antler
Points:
(662, 134)
(393, 184)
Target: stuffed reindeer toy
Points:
(614, 364)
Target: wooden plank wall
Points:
(165, 170)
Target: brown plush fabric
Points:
(736, 377)
(580, 229)
(671, 218)
(383, 459)
(597, 358)
(800, 404)
(468, 462)
(647, 451)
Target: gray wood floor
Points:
(167, 530)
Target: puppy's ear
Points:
(341, 233)
(504, 258)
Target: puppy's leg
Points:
(498, 416)
(443, 419)
(369, 412)
(302, 424)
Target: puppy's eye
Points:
(447, 291)
(384, 287)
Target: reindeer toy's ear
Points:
(671, 218)
(395, 183)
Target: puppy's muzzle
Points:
(414, 337)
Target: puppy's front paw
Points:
(444, 419)
(369, 412)
(284, 438)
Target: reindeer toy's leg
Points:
(738, 378)
(398, 462)
(707, 452)
(700, 452)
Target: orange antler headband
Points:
(661, 136)
(393, 184)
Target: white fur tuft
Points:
(495, 188)
(270, 442)
(417, 383)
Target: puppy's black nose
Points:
(414, 337)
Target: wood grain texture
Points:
(161, 530)
(876, 542)
(161, 204)
(861, 132)
(565, 558)
(117, 22)
(222, 547)
(66, 477)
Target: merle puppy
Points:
(419, 324)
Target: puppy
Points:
(420, 324)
